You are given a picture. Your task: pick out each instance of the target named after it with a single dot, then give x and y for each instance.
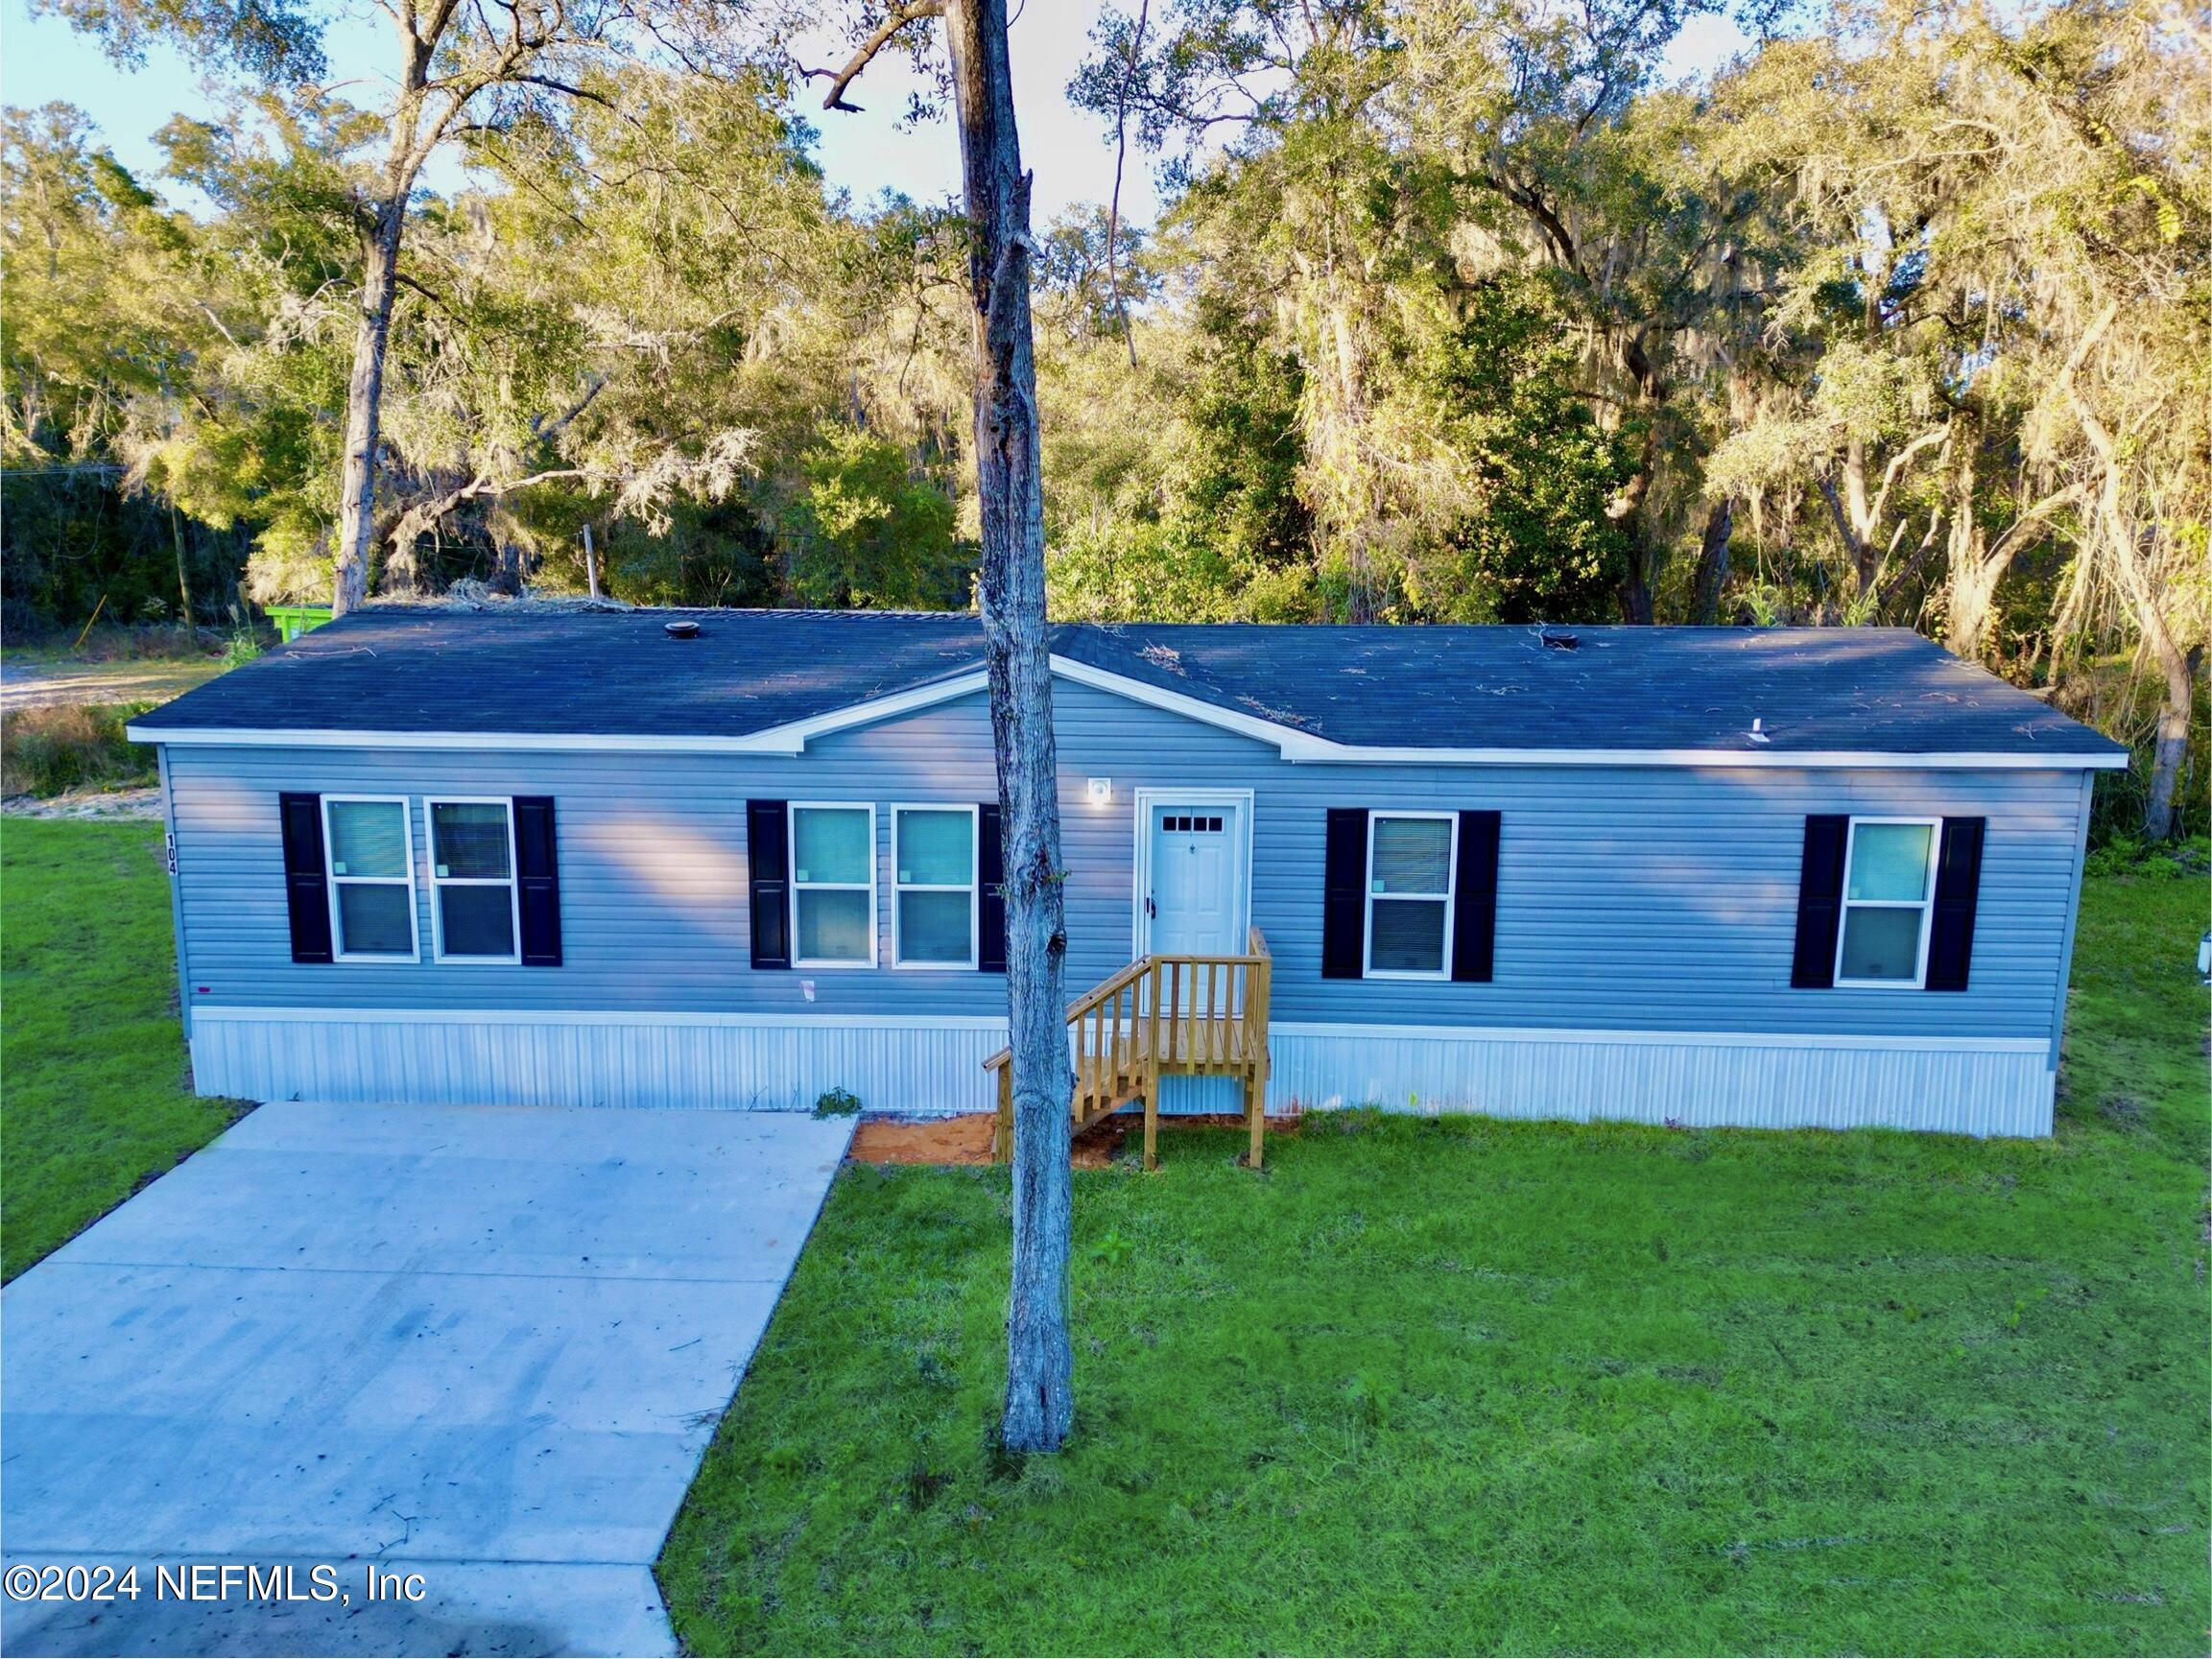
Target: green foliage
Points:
(99, 1098)
(1496, 387)
(1173, 490)
(1450, 314)
(864, 531)
(74, 544)
(1465, 1385)
(271, 39)
(48, 751)
(2125, 856)
(837, 1103)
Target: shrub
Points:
(837, 1103)
(2123, 856)
(46, 751)
(2117, 857)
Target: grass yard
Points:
(95, 1098)
(1465, 1386)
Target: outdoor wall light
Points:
(1100, 789)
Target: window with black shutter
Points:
(1887, 903)
(1410, 895)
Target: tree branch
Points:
(880, 36)
(544, 430)
(420, 516)
(1850, 539)
(2018, 530)
(1897, 463)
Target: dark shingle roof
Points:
(545, 669)
(548, 670)
(1826, 689)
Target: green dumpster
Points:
(293, 620)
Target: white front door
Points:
(1195, 902)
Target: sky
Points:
(43, 60)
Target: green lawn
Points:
(1458, 1386)
(95, 1097)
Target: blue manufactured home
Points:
(543, 854)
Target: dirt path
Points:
(46, 685)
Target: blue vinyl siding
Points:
(1634, 898)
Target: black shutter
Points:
(1345, 894)
(1819, 902)
(1475, 897)
(990, 902)
(768, 853)
(305, 894)
(1957, 886)
(537, 870)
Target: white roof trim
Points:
(791, 738)
(1291, 744)
(1302, 746)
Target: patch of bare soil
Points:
(966, 1139)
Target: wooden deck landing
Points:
(1160, 1017)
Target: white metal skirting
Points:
(1704, 1081)
(931, 1067)
(593, 1061)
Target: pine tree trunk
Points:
(1970, 584)
(364, 401)
(2176, 668)
(2173, 740)
(1639, 608)
(1041, 1360)
(184, 582)
(1713, 563)
(1971, 592)
(1638, 591)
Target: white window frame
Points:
(1926, 906)
(332, 881)
(974, 888)
(1450, 897)
(874, 958)
(513, 883)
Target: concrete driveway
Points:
(487, 1346)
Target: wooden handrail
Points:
(1255, 956)
(1162, 1013)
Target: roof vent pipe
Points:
(685, 628)
(1759, 730)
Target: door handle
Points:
(1151, 908)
